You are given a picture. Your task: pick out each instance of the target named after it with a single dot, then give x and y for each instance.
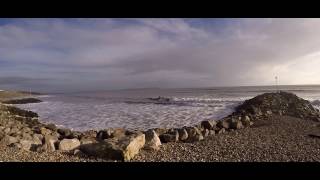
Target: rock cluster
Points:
(282, 103)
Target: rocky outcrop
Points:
(22, 101)
(282, 103)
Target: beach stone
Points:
(220, 131)
(87, 140)
(8, 140)
(245, 121)
(124, 148)
(152, 140)
(64, 132)
(37, 138)
(223, 124)
(165, 138)
(49, 143)
(69, 144)
(105, 134)
(208, 124)
(26, 130)
(26, 136)
(90, 133)
(7, 130)
(194, 134)
(118, 133)
(236, 124)
(183, 135)
(160, 131)
(205, 132)
(44, 131)
(13, 130)
(52, 127)
(25, 144)
(212, 132)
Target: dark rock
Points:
(65, 132)
(22, 101)
(160, 131)
(208, 124)
(105, 134)
(223, 124)
(236, 124)
(165, 138)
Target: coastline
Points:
(270, 138)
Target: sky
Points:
(62, 55)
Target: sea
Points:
(143, 109)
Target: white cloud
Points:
(171, 52)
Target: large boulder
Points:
(124, 148)
(69, 144)
(152, 140)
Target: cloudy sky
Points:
(96, 54)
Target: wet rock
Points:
(183, 134)
(69, 144)
(124, 148)
(152, 140)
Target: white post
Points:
(277, 90)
